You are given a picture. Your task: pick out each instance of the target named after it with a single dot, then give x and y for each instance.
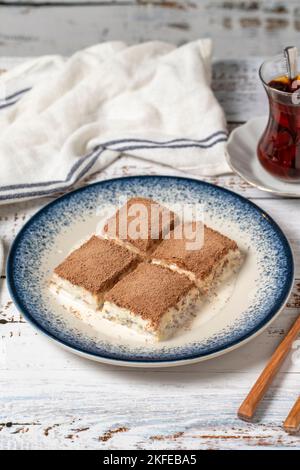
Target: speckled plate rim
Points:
(232, 345)
(230, 161)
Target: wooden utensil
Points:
(248, 407)
(292, 422)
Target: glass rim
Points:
(280, 92)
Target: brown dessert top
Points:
(96, 265)
(199, 261)
(141, 222)
(149, 291)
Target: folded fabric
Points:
(61, 120)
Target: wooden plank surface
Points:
(237, 27)
(53, 399)
(113, 3)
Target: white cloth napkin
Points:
(63, 119)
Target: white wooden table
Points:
(239, 27)
(52, 399)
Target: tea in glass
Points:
(279, 147)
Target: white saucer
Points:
(242, 158)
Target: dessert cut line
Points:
(140, 224)
(91, 270)
(150, 285)
(152, 299)
(206, 258)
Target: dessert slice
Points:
(207, 263)
(152, 299)
(140, 224)
(91, 270)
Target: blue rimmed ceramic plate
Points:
(241, 309)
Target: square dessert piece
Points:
(140, 224)
(152, 299)
(207, 263)
(91, 270)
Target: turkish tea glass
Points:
(279, 147)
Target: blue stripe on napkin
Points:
(13, 98)
(85, 163)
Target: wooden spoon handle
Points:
(292, 422)
(248, 407)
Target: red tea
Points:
(286, 84)
(279, 146)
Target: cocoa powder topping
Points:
(96, 265)
(149, 291)
(129, 217)
(201, 261)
